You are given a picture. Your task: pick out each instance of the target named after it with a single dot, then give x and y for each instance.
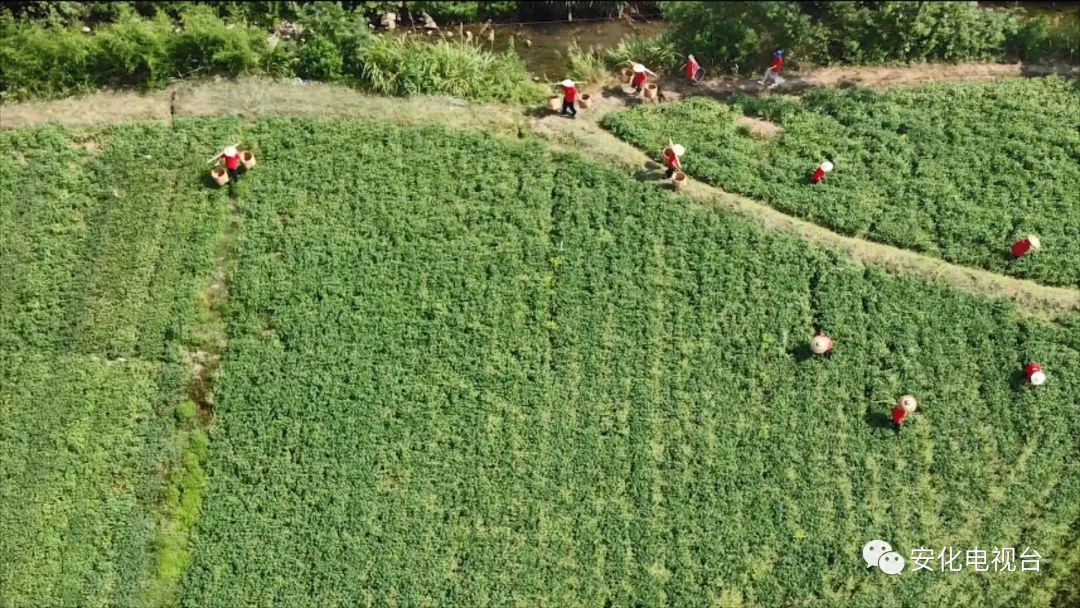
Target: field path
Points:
(255, 98)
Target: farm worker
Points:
(1022, 247)
(693, 69)
(821, 344)
(232, 162)
(569, 96)
(671, 155)
(905, 406)
(1034, 374)
(773, 73)
(640, 75)
(819, 173)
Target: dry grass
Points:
(258, 98)
(105, 107)
(760, 127)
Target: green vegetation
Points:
(487, 375)
(956, 171)
(104, 240)
(409, 66)
(79, 444)
(266, 14)
(336, 44)
(741, 36)
(463, 370)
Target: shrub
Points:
(857, 32)
(406, 66)
(1037, 38)
(207, 44)
(37, 61)
(319, 59)
(737, 36)
(657, 52)
(135, 52)
(328, 25)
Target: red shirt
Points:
(691, 68)
(898, 414)
(232, 162)
(1019, 248)
(819, 174)
(776, 63)
(639, 78)
(569, 94)
(673, 162)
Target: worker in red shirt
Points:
(640, 75)
(569, 92)
(1025, 245)
(232, 162)
(693, 70)
(819, 174)
(773, 73)
(905, 406)
(671, 156)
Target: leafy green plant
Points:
(407, 66)
(657, 52)
(320, 59)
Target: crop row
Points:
(468, 372)
(105, 238)
(957, 171)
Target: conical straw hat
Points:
(639, 68)
(230, 151)
(567, 83)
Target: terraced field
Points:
(468, 371)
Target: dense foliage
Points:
(105, 238)
(466, 372)
(335, 45)
(956, 171)
(741, 36)
(267, 13)
(409, 66)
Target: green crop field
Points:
(466, 371)
(104, 236)
(959, 171)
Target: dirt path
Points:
(253, 98)
(865, 76)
